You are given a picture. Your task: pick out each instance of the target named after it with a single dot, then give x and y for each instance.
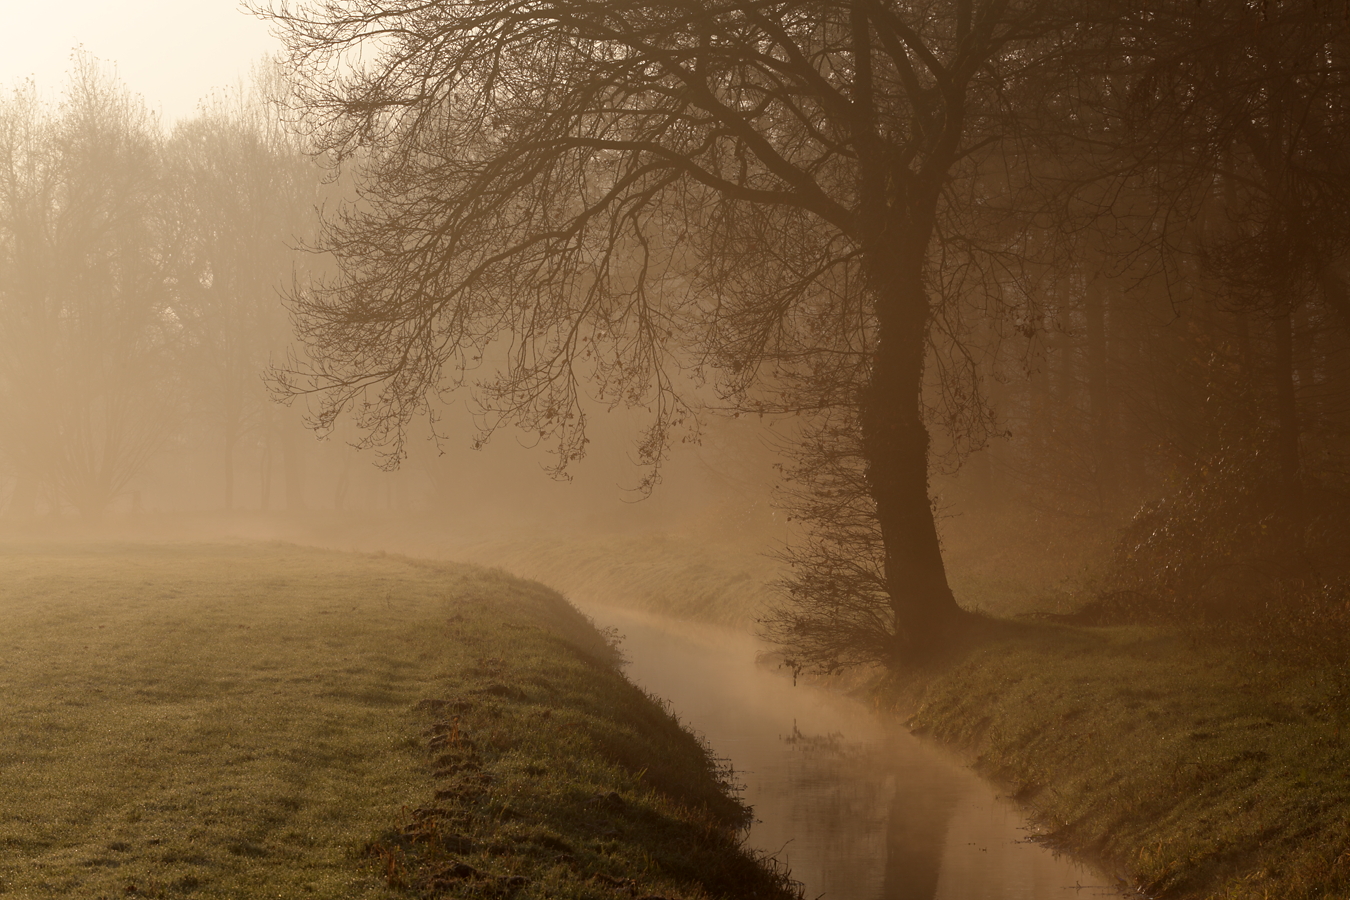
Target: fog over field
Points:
(254, 276)
(887, 331)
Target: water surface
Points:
(858, 807)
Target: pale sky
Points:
(171, 52)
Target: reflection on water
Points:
(857, 807)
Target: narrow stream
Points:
(858, 807)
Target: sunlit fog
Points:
(861, 449)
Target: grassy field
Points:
(718, 575)
(1192, 767)
(270, 721)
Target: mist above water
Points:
(856, 806)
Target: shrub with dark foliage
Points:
(1227, 547)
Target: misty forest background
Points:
(142, 302)
(1138, 389)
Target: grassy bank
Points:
(262, 720)
(1192, 768)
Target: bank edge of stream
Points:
(1188, 767)
(209, 720)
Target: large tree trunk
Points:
(895, 446)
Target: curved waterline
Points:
(858, 807)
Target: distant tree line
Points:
(142, 272)
(1193, 372)
(139, 290)
(1089, 260)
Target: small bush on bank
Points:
(1229, 549)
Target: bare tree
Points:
(606, 192)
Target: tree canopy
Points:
(622, 195)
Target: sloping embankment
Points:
(248, 720)
(1194, 768)
(1191, 768)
